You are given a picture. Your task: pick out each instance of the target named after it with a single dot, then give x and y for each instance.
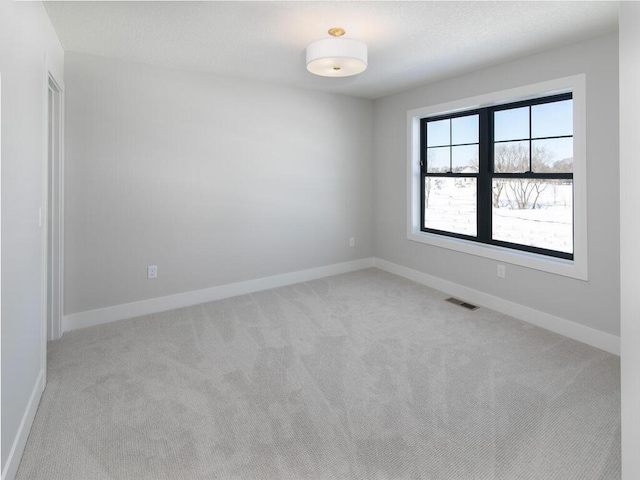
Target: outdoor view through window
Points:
(502, 175)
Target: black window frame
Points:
(486, 174)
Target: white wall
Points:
(25, 35)
(594, 303)
(630, 235)
(214, 180)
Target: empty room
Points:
(320, 240)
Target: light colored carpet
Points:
(359, 376)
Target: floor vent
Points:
(460, 303)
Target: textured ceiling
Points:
(410, 43)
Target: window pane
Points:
(512, 124)
(533, 212)
(552, 155)
(464, 129)
(464, 159)
(438, 160)
(438, 133)
(511, 157)
(552, 119)
(450, 204)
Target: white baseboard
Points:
(171, 302)
(15, 454)
(576, 331)
(590, 336)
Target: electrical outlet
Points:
(152, 272)
(502, 273)
(352, 242)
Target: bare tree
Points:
(510, 158)
(521, 193)
(497, 188)
(539, 187)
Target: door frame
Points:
(52, 249)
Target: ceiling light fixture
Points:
(337, 56)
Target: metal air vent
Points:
(460, 303)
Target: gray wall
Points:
(594, 303)
(214, 180)
(25, 35)
(629, 235)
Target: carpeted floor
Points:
(359, 376)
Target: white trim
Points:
(52, 77)
(170, 302)
(590, 336)
(42, 220)
(629, 61)
(576, 268)
(56, 332)
(20, 440)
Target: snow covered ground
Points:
(452, 207)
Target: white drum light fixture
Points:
(336, 56)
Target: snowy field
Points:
(452, 207)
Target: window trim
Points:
(486, 171)
(576, 268)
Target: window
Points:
(502, 175)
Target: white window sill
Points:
(557, 266)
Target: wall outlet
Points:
(502, 271)
(152, 272)
(352, 242)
